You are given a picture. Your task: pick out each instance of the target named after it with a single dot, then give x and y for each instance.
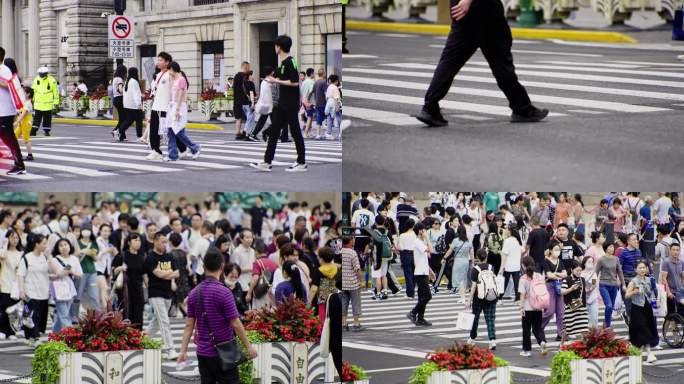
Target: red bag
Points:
(16, 91)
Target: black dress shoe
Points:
(423, 323)
(411, 317)
(431, 118)
(533, 116)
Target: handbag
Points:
(325, 332)
(118, 284)
(465, 321)
(229, 352)
(264, 284)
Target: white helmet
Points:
(43, 70)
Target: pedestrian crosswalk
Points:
(20, 348)
(389, 92)
(390, 316)
(69, 158)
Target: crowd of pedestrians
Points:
(546, 252)
(62, 259)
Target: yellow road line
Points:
(201, 126)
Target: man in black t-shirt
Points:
(536, 243)
(285, 108)
(257, 213)
(240, 99)
(160, 268)
(569, 249)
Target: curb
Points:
(63, 120)
(518, 33)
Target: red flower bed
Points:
(100, 332)
(77, 94)
(290, 321)
(351, 372)
(463, 356)
(598, 343)
(210, 94)
(99, 92)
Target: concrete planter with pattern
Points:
(500, 375)
(289, 362)
(120, 367)
(615, 370)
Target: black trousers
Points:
(281, 118)
(494, 260)
(118, 104)
(155, 140)
(7, 136)
(424, 296)
(211, 372)
(344, 27)
(532, 321)
(259, 126)
(44, 117)
(516, 280)
(484, 27)
(40, 314)
(335, 314)
(5, 302)
(136, 304)
(131, 116)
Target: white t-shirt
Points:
(162, 91)
(199, 250)
(407, 240)
(115, 86)
(420, 258)
(662, 208)
(36, 281)
(277, 279)
(8, 270)
(244, 257)
(7, 107)
(513, 251)
(132, 95)
(103, 263)
(476, 215)
(64, 286)
(363, 218)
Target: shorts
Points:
(320, 114)
(238, 112)
(384, 266)
(24, 129)
(310, 111)
(355, 297)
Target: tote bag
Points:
(465, 321)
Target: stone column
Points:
(48, 37)
(8, 28)
(33, 37)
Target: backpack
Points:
(539, 296)
(264, 282)
(384, 246)
(486, 284)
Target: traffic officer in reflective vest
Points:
(478, 24)
(45, 99)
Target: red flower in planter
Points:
(463, 356)
(598, 343)
(289, 321)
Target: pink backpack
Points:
(538, 295)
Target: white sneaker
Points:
(12, 337)
(492, 345)
(525, 353)
(329, 137)
(470, 341)
(166, 158)
(296, 167)
(183, 155)
(195, 155)
(264, 167)
(651, 358)
(544, 351)
(173, 355)
(3, 336)
(153, 156)
(680, 57)
(141, 140)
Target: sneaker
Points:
(12, 337)
(374, 296)
(431, 117)
(423, 323)
(238, 136)
(651, 358)
(34, 131)
(264, 167)
(525, 353)
(329, 137)
(544, 351)
(533, 116)
(252, 138)
(32, 343)
(559, 338)
(470, 341)
(141, 141)
(47, 133)
(680, 57)
(383, 296)
(357, 328)
(196, 155)
(183, 155)
(168, 159)
(492, 345)
(29, 157)
(154, 155)
(173, 355)
(3, 336)
(411, 317)
(264, 137)
(16, 171)
(296, 167)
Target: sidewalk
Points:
(196, 120)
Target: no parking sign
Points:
(121, 37)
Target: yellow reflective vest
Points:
(345, 2)
(45, 93)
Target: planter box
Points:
(278, 362)
(139, 367)
(499, 375)
(220, 105)
(616, 370)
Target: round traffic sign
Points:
(121, 27)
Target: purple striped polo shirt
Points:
(219, 304)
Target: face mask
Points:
(590, 266)
(231, 283)
(556, 253)
(86, 234)
(269, 214)
(64, 225)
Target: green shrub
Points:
(560, 367)
(45, 367)
(421, 374)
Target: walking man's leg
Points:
(459, 47)
(10, 139)
(296, 132)
(155, 140)
(47, 122)
(37, 119)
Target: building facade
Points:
(209, 38)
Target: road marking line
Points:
(648, 63)
(594, 69)
(400, 35)
(585, 103)
(671, 48)
(589, 112)
(391, 369)
(527, 83)
(64, 168)
(357, 56)
(116, 164)
(26, 176)
(323, 148)
(552, 53)
(604, 65)
(445, 104)
(385, 117)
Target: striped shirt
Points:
(219, 304)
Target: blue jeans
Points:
(250, 122)
(183, 137)
(331, 119)
(320, 114)
(608, 294)
(62, 316)
(86, 284)
(408, 266)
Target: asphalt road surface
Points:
(616, 117)
(391, 347)
(78, 157)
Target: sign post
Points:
(121, 37)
